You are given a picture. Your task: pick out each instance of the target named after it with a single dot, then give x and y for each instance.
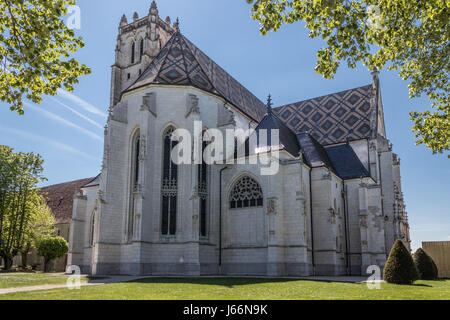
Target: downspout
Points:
(312, 224)
(347, 256)
(220, 218)
(382, 203)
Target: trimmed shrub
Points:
(51, 248)
(425, 265)
(400, 267)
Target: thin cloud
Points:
(42, 140)
(80, 102)
(64, 121)
(98, 125)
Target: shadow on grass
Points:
(227, 282)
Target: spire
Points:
(135, 16)
(269, 104)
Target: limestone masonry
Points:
(335, 206)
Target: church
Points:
(334, 206)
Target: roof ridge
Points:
(67, 182)
(325, 95)
(187, 42)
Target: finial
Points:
(375, 79)
(135, 16)
(269, 104)
(168, 20)
(375, 72)
(176, 25)
(153, 9)
(123, 20)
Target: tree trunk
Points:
(8, 262)
(24, 260)
(46, 263)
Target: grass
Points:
(15, 280)
(241, 289)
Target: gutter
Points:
(347, 231)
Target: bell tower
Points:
(138, 43)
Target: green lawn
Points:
(241, 289)
(14, 280)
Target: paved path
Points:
(119, 279)
(109, 279)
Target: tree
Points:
(410, 36)
(400, 267)
(425, 265)
(35, 46)
(19, 175)
(41, 224)
(51, 248)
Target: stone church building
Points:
(334, 207)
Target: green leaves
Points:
(35, 46)
(410, 36)
(19, 175)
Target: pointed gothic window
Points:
(133, 50)
(246, 193)
(203, 193)
(169, 189)
(134, 180)
(91, 234)
(141, 49)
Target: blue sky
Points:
(67, 130)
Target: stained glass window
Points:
(246, 193)
(169, 189)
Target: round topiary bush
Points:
(51, 248)
(400, 267)
(425, 265)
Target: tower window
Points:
(141, 49)
(133, 50)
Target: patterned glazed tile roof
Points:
(180, 62)
(333, 118)
(60, 198)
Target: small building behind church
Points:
(334, 206)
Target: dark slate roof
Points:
(60, 198)
(93, 183)
(313, 152)
(333, 118)
(181, 63)
(346, 162)
(287, 138)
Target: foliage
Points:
(19, 175)
(425, 265)
(400, 267)
(410, 36)
(51, 248)
(35, 46)
(41, 223)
